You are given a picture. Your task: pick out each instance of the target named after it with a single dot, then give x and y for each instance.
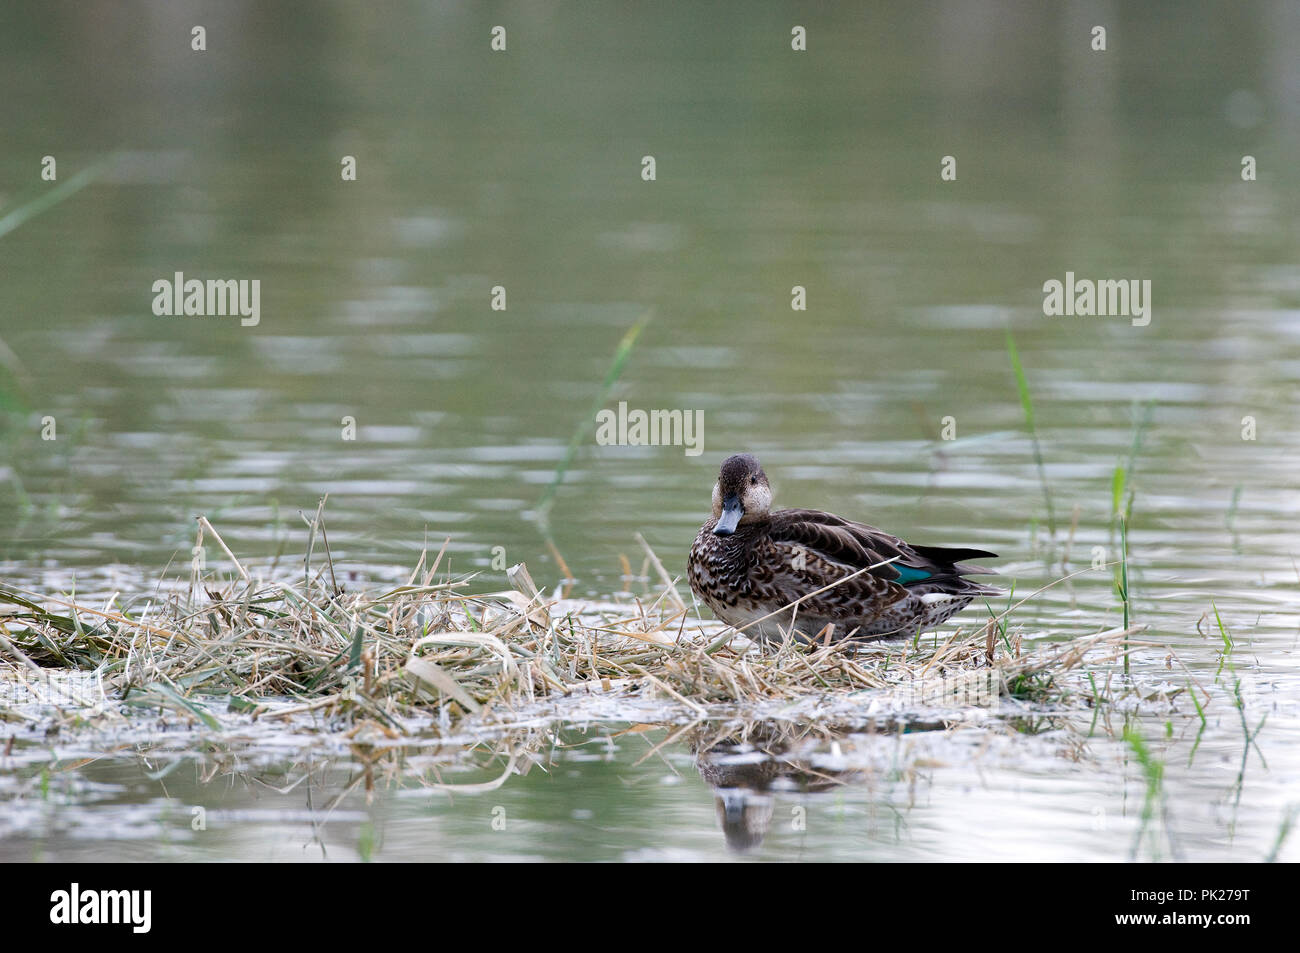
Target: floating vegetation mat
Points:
(429, 655)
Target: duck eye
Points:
(754, 480)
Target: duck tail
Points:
(944, 571)
(963, 569)
(950, 561)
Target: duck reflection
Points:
(748, 766)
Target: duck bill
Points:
(730, 518)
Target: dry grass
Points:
(430, 644)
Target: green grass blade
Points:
(53, 196)
(621, 356)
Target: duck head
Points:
(741, 495)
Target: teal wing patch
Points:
(908, 575)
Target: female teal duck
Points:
(749, 563)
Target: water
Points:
(774, 169)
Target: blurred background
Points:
(522, 169)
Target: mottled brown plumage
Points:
(749, 561)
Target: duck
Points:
(777, 574)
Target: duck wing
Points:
(857, 545)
